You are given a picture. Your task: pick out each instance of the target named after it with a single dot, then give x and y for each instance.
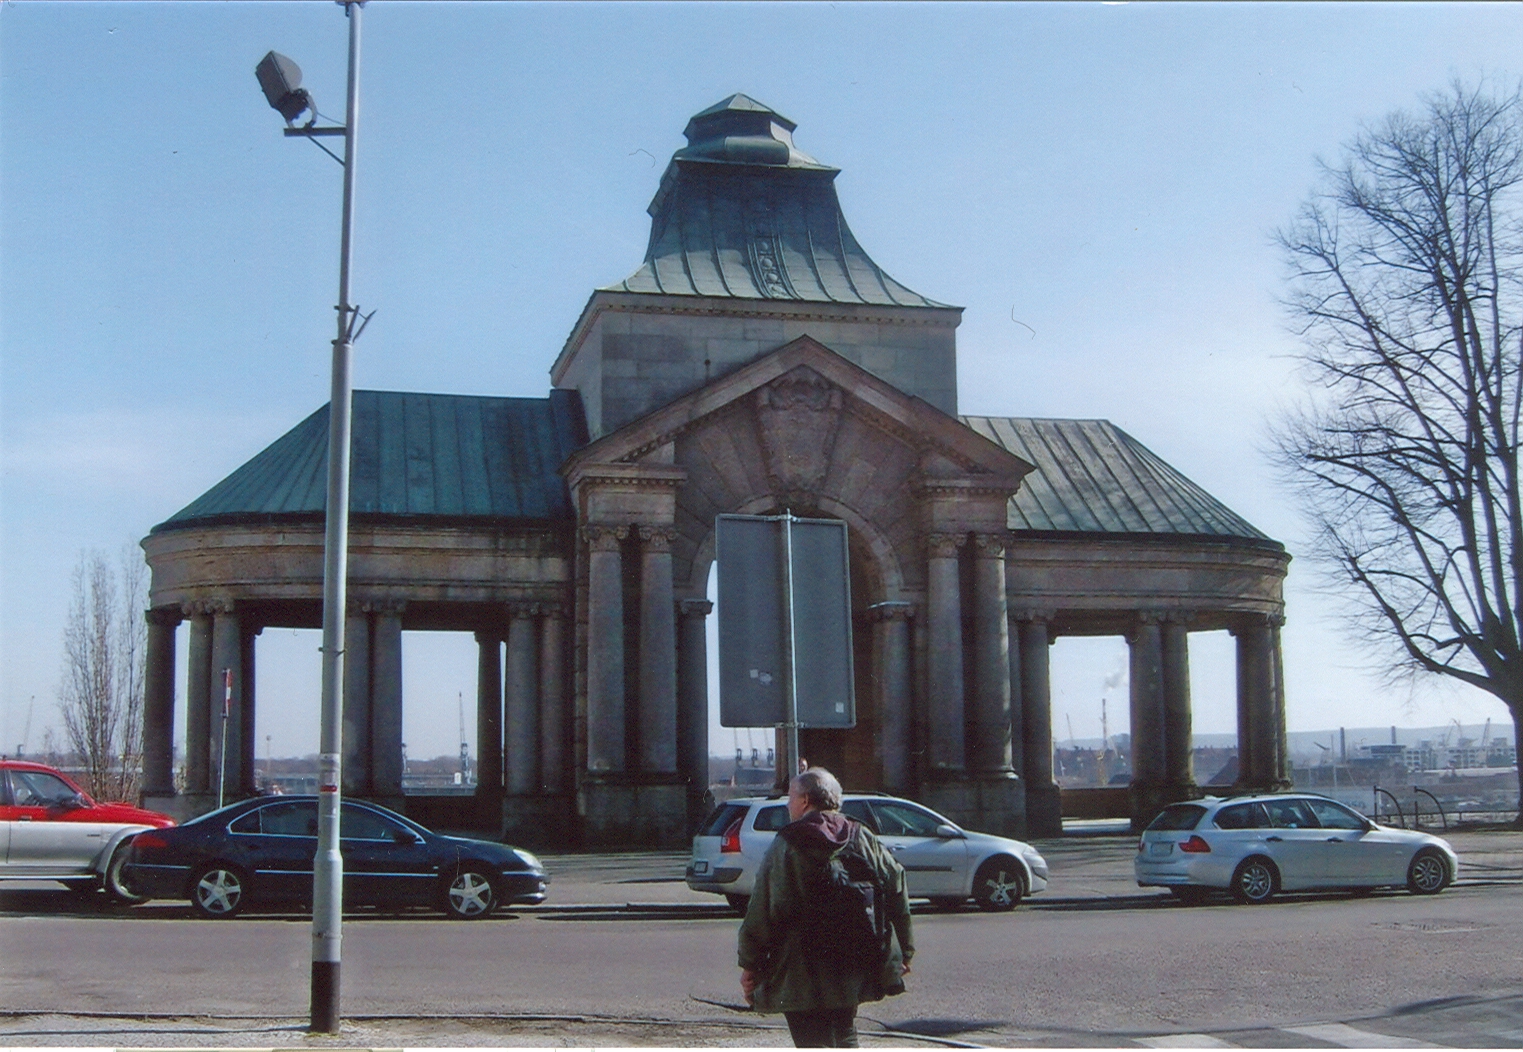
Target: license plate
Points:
(1160, 847)
(700, 867)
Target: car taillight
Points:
(731, 842)
(149, 841)
(1196, 845)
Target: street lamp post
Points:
(281, 80)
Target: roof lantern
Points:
(743, 213)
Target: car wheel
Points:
(116, 883)
(1428, 874)
(947, 905)
(738, 903)
(1254, 881)
(471, 894)
(998, 885)
(218, 891)
(1190, 894)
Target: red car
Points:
(50, 829)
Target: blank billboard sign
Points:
(753, 622)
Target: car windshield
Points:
(1177, 817)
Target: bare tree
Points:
(1406, 269)
(101, 694)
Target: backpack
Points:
(845, 921)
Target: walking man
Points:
(785, 961)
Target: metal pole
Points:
(328, 872)
(788, 763)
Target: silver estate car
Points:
(941, 861)
(1255, 846)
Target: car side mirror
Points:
(947, 832)
(73, 803)
(403, 836)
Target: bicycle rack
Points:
(1436, 804)
(1400, 815)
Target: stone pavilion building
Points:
(757, 361)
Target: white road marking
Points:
(1184, 1041)
(1346, 1036)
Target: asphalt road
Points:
(624, 954)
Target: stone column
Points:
(386, 700)
(488, 718)
(693, 702)
(1146, 654)
(552, 701)
(947, 730)
(227, 663)
(520, 704)
(1044, 810)
(991, 649)
(198, 689)
(658, 652)
(159, 703)
(356, 708)
(1277, 669)
(247, 684)
(605, 648)
(1256, 719)
(891, 658)
(1017, 701)
(1179, 759)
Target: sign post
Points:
(785, 652)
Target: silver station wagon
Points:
(1255, 846)
(942, 862)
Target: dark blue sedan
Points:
(261, 851)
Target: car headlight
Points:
(526, 858)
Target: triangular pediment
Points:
(799, 382)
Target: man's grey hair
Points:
(820, 788)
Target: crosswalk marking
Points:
(1346, 1036)
(1184, 1041)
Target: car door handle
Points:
(1273, 839)
(1335, 840)
(896, 847)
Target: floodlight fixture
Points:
(280, 79)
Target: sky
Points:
(1096, 184)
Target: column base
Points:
(541, 821)
(1044, 810)
(1148, 799)
(989, 803)
(625, 811)
(182, 807)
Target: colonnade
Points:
(522, 729)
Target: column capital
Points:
(657, 538)
(1151, 617)
(206, 607)
(891, 611)
(486, 636)
(550, 610)
(991, 545)
(522, 611)
(698, 608)
(1178, 617)
(1256, 621)
(164, 616)
(1033, 615)
(382, 606)
(604, 538)
(944, 545)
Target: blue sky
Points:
(1096, 183)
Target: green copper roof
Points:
(1093, 477)
(417, 457)
(742, 213)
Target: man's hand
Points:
(747, 983)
